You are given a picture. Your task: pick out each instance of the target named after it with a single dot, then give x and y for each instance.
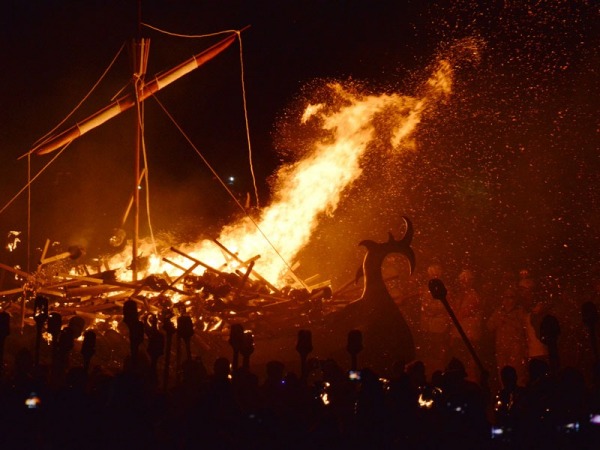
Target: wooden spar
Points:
(200, 263)
(11, 291)
(257, 275)
(16, 271)
(291, 272)
(250, 261)
(167, 260)
(69, 283)
(39, 291)
(132, 199)
(140, 50)
(243, 281)
(87, 279)
(185, 273)
(45, 249)
(91, 291)
(124, 103)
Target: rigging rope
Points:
(291, 270)
(28, 212)
(246, 119)
(41, 140)
(243, 85)
(146, 172)
(30, 180)
(214, 172)
(190, 36)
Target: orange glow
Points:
(313, 186)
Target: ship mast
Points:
(140, 48)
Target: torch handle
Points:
(169, 344)
(188, 348)
(235, 362)
(1, 358)
(594, 343)
(462, 333)
(38, 342)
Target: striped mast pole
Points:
(140, 48)
(142, 90)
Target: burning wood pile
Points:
(71, 309)
(199, 298)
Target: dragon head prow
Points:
(378, 251)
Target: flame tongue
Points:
(313, 185)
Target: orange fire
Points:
(313, 186)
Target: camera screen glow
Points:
(33, 401)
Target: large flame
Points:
(314, 185)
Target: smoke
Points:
(352, 125)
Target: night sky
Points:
(505, 174)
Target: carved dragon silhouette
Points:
(386, 334)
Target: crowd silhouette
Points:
(530, 399)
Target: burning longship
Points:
(245, 276)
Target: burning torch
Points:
(74, 252)
(439, 292)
